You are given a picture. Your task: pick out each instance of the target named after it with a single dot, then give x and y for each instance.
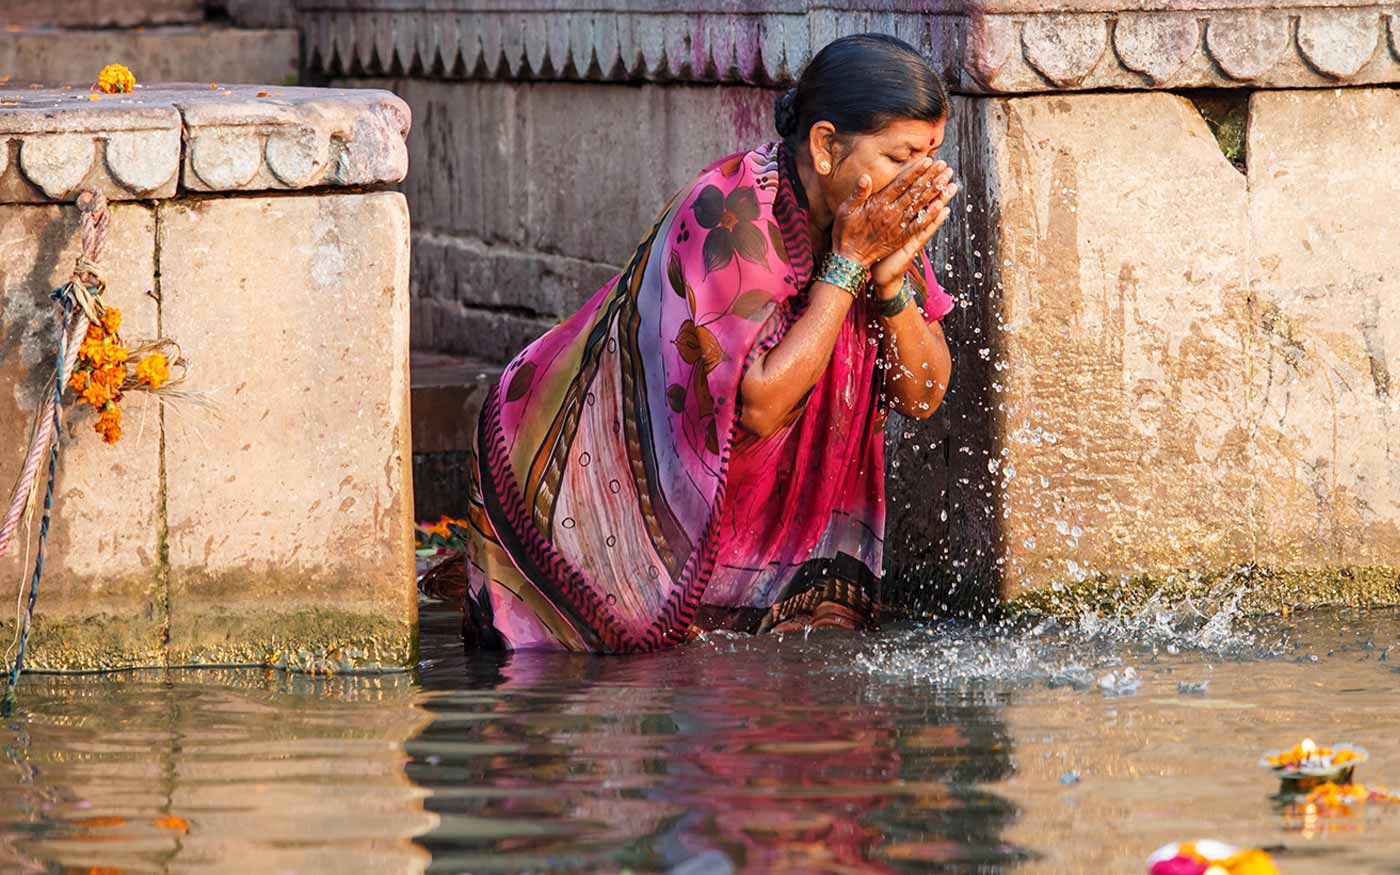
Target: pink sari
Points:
(616, 496)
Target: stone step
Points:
(192, 53)
(446, 396)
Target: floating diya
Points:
(1209, 857)
(1307, 765)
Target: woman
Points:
(701, 445)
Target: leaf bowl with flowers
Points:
(1307, 765)
(1209, 857)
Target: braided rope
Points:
(81, 307)
(86, 274)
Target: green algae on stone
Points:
(1261, 590)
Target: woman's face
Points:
(882, 155)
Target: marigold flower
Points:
(115, 79)
(153, 370)
(95, 333)
(109, 425)
(110, 377)
(96, 394)
(113, 354)
(78, 382)
(112, 320)
(91, 350)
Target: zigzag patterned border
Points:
(1269, 46)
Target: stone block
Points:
(469, 272)
(161, 54)
(289, 493)
(84, 13)
(537, 165)
(1324, 264)
(260, 13)
(489, 335)
(102, 600)
(235, 138)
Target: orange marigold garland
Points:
(107, 369)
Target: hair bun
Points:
(785, 113)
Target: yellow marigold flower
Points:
(96, 394)
(112, 354)
(78, 382)
(153, 370)
(91, 350)
(109, 425)
(112, 320)
(115, 79)
(95, 332)
(109, 377)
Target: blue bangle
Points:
(846, 274)
(892, 307)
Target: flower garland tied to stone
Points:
(115, 79)
(104, 373)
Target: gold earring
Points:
(824, 168)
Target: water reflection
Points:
(946, 748)
(772, 756)
(211, 771)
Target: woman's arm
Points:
(918, 369)
(778, 380)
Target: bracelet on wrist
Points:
(892, 307)
(847, 274)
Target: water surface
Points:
(938, 748)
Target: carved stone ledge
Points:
(983, 46)
(54, 142)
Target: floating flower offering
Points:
(1344, 796)
(1208, 857)
(1307, 760)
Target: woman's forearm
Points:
(778, 380)
(919, 367)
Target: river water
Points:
(949, 747)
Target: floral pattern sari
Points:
(617, 499)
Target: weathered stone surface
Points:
(103, 600)
(1324, 267)
(66, 142)
(1156, 44)
(85, 13)
(261, 13)
(457, 329)
(999, 46)
(229, 139)
(520, 163)
(289, 498)
(158, 54)
(469, 272)
(1182, 370)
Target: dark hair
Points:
(860, 84)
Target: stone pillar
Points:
(260, 514)
(1172, 257)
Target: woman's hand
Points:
(887, 276)
(869, 227)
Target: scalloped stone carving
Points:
(1064, 48)
(1339, 42)
(238, 138)
(1247, 44)
(990, 44)
(226, 159)
(1156, 45)
(57, 163)
(143, 161)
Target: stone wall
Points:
(262, 513)
(1172, 350)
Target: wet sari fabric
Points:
(616, 495)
